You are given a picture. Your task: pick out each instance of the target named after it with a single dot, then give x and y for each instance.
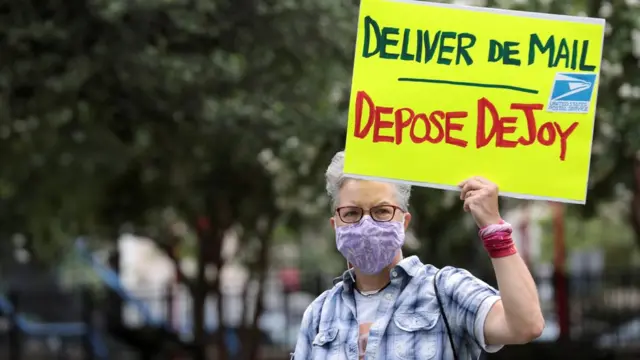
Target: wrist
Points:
(493, 221)
(500, 247)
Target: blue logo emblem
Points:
(572, 93)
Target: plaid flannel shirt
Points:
(408, 322)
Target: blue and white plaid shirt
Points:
(408, 323)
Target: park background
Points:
(162, 190)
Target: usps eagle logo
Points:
(572, 93)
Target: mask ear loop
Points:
(350, 270)
(403, 222)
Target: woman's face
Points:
(367, 194)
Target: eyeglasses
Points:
(380, 213)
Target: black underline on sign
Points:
(470, 84)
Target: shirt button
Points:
(388, 296)
(394, 273)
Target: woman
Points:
(389, 307)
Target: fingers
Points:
(469, 185)
(466, 205)
(471, 198)
(475, 183)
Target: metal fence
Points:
(604, 314)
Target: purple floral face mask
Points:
(370, 245)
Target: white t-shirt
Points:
(366, 309)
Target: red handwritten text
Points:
(546, 134)
(444, 126)
(439, 125)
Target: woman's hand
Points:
(481, 200)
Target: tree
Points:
(221, 110)
(227, 113)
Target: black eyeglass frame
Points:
(363, 211)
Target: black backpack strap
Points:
(444, 316)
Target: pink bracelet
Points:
(497, 240)
(502, 226)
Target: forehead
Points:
(366, 193)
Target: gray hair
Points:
(335, 179)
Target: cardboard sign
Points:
(444, 92)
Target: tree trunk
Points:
(255, 337)
(635, 201)
(245, 333)
(223, 352)
(114, 301)
(209, 246)
(199, 296)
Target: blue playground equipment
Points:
(72, 329)
(111, 279)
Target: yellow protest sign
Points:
(443, 92)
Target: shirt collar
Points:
(410, 266)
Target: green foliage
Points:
(116, 113)
(115, 110)
(119, 113)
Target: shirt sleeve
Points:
(305, 337)
(467, 304)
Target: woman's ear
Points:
(407, 220)
(332, 222)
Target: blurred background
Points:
(162, 190)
